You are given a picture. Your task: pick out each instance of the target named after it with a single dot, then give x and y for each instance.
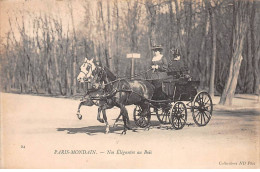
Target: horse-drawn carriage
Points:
(181, 95)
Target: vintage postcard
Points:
(129, 84)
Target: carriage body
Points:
(181, 95)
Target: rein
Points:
(113, 92)
(128, 77)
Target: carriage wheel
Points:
(141, 120)
(202, 108)
(178, 116)
(163, 115)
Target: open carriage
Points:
(182, 95)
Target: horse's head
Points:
(91, 72)
(86, 71)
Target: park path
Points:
(44, 132)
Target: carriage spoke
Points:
(209, 111)
(207, 106)
(206, 115)
(183, 119)
(203, 118)
(180, 122)
(207, 101)
(197, 115)
(197, 110)
(181, 111)
(163, 117)
(206, 98)
(198, 98)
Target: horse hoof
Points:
(107, 130)
(79, 116)
(101, 120)
(124, 132)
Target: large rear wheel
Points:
(202, 108)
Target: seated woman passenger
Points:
(159, 65)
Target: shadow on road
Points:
(94, 130)
(117, 129)
(91, 130)
(246, 97)
(237, 113)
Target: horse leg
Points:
(98, 116)
(78, 112)
(146, 113)
(124, 113)
(105, 119)
(117, 119)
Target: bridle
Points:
(94, 76)
(88, 68)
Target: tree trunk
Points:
(74, 54)
(171, 24)
(203, 60)
(240, 16)
(188, 31)
(106, 51)
(249, 79)
(151, 11)
(255, 52)
(110, 58)
(117, 37)
(214, 50)
(180, 41)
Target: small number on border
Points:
(22, 146)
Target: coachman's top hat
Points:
(157, 47)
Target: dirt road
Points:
(44, 132)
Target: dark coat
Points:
(160, 73)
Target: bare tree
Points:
(240, 23)
(74, 53)
(214, 49)
(255, 51)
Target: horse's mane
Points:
(110, 74)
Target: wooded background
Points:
(219, 42)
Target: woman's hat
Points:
(157, 47)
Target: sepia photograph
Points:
(129, 84)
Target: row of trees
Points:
(218, 42)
